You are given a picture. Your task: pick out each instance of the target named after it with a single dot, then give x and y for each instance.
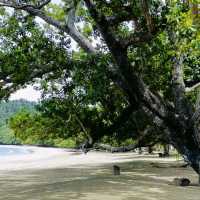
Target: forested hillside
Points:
(7, 109)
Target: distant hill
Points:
(7, 109)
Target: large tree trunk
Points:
(189, 148)
(176, 118)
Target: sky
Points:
(28, 93)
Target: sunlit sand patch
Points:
(116, 182)
(155, 190)
(166, 178)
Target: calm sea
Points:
(13, 150)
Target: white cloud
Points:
(28, 93)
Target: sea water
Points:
(12, 150)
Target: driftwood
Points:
(170, 165)
(116, 149)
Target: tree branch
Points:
(69, 28)
(138, 91)
(98, 131)
(22, 5)
(116, 149)
(136, 39)
(193, 88)
(181, 103)
(142, 141)
(76, 35)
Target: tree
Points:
(149, 51)
(31, 128)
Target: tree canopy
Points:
(121, 69)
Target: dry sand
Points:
(58, 174)
(52, 158)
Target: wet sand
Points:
(89, 177)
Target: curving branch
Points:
(112, 149)
(68, 28)
(193, 88)
(76, 35)
(21, 5)
(141, 141)
(139, 93)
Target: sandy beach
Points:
(60, 174)
(50, 158)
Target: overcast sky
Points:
(28, 93)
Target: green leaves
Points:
(56, 12)
(28, 52)
(83, 94)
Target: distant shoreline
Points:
(43, 146)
